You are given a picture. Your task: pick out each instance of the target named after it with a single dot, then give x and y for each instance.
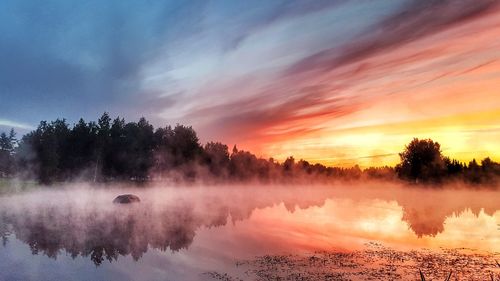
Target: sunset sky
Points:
(335, 82)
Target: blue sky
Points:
(76, 59)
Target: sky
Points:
(334, 82)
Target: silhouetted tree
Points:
(116, 150)
(7, 145)
(421, 161)
(490, 169)
(139, 148)
(82, 155)
(115, 156)
(176, 148)
(243, 165)
(185, 145)
(216, 157)
(486, 173)
(453, 167)
(386, 173)
(103, 144)
(354, 172)
(46, 150)
(162, 153)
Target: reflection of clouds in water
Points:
(86, 223)
(346, 224)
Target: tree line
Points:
(113, 150)
(422, 161)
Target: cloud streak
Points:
(351, 78)
(13, 124)
(414, 21)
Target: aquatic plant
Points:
(422, 277)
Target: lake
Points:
(341, 232)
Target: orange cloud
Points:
(443, 86)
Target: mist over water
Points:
(182, 232)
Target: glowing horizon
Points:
(442, 87)
(380, 145)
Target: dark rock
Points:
(126, 198)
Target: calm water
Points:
(183, 233)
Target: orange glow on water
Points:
(344, 223)
(194, 230)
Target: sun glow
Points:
(443, 87)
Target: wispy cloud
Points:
(15, 125)
(414, 21)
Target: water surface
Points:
(202, 233)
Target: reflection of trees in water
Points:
(430, 221)
(427, 216)
(106, 232)
(424, 213)
(424, 221)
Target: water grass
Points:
(491, 274)
(449, 276)
(422, 276)
(376, 262)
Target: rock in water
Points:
(126, 198)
